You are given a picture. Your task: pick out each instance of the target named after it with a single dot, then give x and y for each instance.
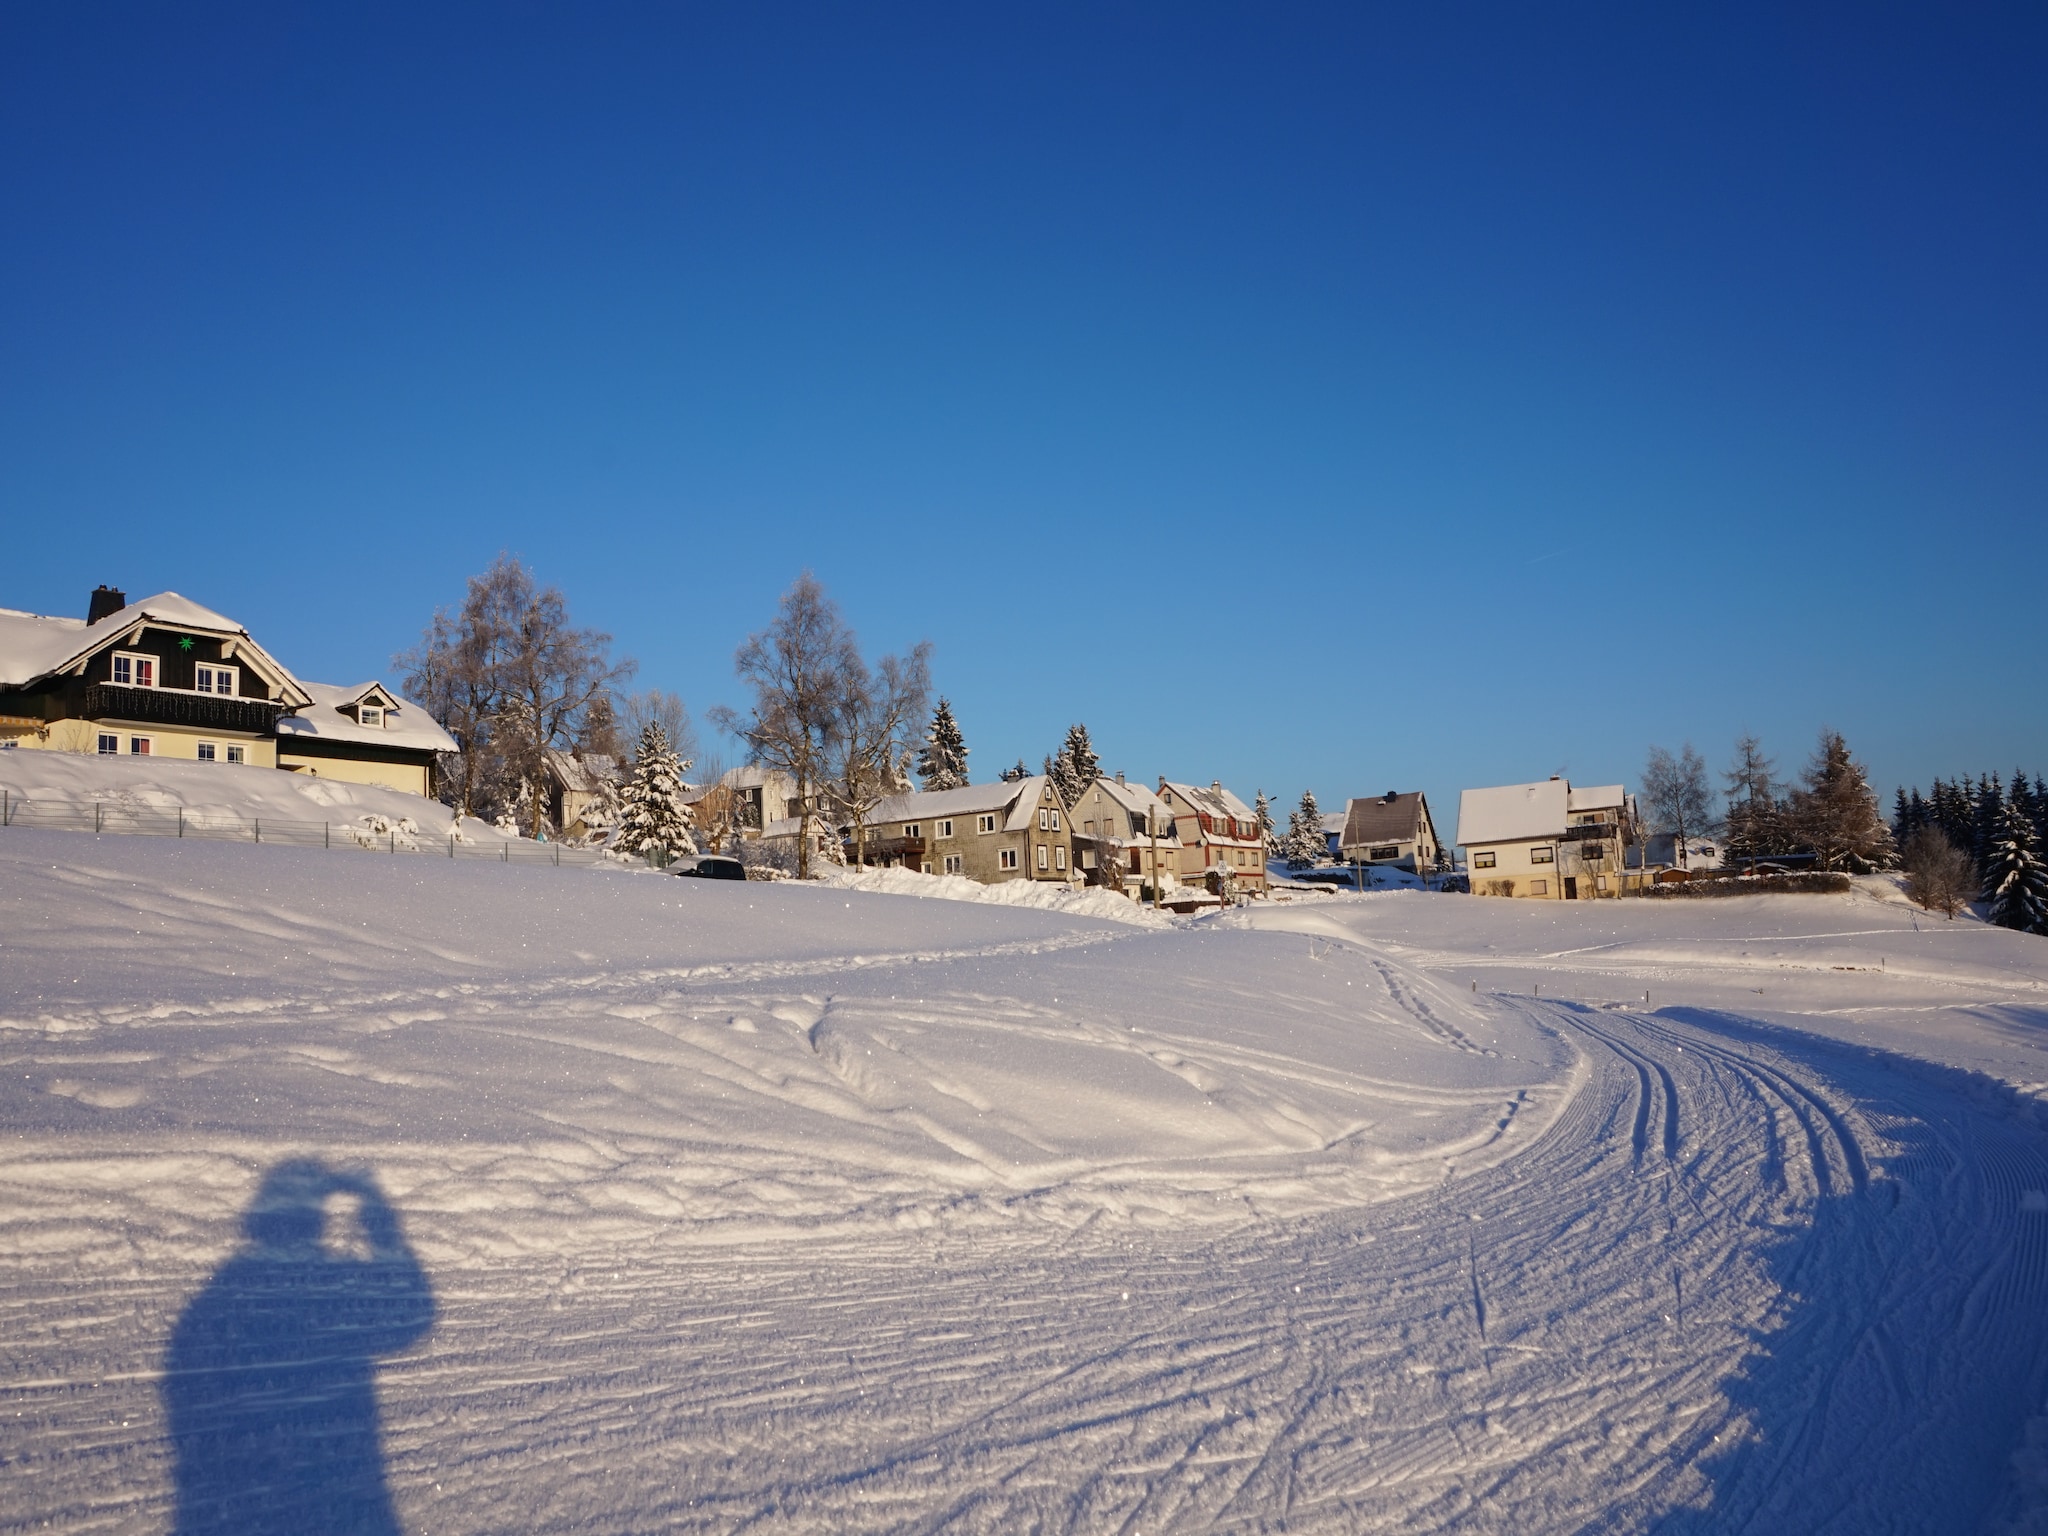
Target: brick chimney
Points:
(105, 600)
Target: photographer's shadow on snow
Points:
(268, 1384)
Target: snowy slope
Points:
(810, 1209)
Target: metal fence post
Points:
(99, 817)
(326, 834)
(451, 844)
(181, 821)
(259, 829)
(394, 840)
(508, 850)
(558, 855)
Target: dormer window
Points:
(371, 715)
(134, 671)
(214, 680)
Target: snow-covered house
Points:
(582, 792)
(165, 677)
(1394, 828)
(1216, 830)
(1547, 839)
(1017, 829)
(1112, 813)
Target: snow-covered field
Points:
(675, 1204)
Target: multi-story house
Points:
(1132, 824)
(1216, 830)
(1012, 830)
(1393, 829)
(165, 678)
(1547, 839)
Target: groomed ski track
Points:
(1744, 1280)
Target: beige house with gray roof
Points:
(992, 833)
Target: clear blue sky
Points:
(1345, 397)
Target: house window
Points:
(945, 829)
(132, 671)
(1007, 859)
(1055, 821)
(953, 864)
(214, 680)
(370, 715)
(238, 754)
(1383, 853)
(1542, 855)
(1043, 824)
(138, 746)
(1599, 882)
(110, 744)
(1539, 887)
(1088, 826)
(984, 823)
(913, 829)
(1043, 862)
(1087, 858)
(1483, 860)
(206, 752)
(925, 868)
(1059, 857)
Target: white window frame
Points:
(1043, 824)
(132, 658)
(1059, 857)
(953, 864)
(984, 824)
(1006, 858)
(206, 751)
(1483, 859)
(237, 753)
(913, 829)
(110, 744)
(946, 828)
(1055, 821)
(210, 677)
(370, 716)
(141, 746)
(1542, 855)
(1044, 857)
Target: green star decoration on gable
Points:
(184, 642)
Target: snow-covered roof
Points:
(1509, 812)
(1019, 797)
(328, 716)
(1136, 800)
(1213, 798)
(584, 775)
(1598, 797)
(34, 645)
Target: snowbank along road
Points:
(465, 1198)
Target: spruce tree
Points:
(1306, 846)
(2015, 876)
(652, 812)
(942, 760)
(1013, 775)
(1262, 812)
(1836, 812)
(1076, 766)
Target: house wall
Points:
(980, 853)
(1098, 813)
(172, 741)
(1517, 870)
(413, 778)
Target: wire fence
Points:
(368, 834)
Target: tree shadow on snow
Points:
(268, 1382)
(1913, 1350)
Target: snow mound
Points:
(1038, 894)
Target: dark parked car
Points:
(709, 866)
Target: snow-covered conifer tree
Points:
(1262, 813)
(1306, 846)
(651, 809)
(1836, 812)
(1076, 766)
(2015, 877)
(942, 760)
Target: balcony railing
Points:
(174, 706)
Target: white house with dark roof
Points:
(1547, 839)
(165, 677)
(1391, 829)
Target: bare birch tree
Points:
(1676, 795)
(878, 725)
(797, 669)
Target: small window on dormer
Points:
(133, 671)
(371, 715)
